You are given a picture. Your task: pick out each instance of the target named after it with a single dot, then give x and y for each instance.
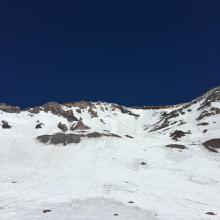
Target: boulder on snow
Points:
(39, 125)
(62, 127)
(178, 134)
(5, 125)
(46, 210)
(210, 213)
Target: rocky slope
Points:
(151, 162)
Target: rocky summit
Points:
(103, 161)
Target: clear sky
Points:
(128, 52)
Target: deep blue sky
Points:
(129, 52)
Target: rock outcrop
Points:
(176, 135)
(56, 109)
(9, 109)
(39, 125)
(65, 139)
(59, 138)
(62, 127)
(5, 125)
(212, 145)
(80, 126)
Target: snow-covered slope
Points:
(103, 161)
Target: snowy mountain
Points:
(103, 161)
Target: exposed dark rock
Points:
(53, 107)
(78, 110)
(56, 109)
(80, 126)
(35, 110)
(205, 113)
(152, 107)
(163, 115)
(173, 123)
(46, 210)
(8, 108)
(38, 126)
(92, 113)
(44, 138)
(62, 127)
(80, 105)
(113, 135)
(203, 124)
(95, 135)
(124, 110)
(72, 127)
(211, 149)
(128, 136)
(130, 202)
(60, 138)
(143, 163)
(212, 144)
(210, 213)
(5, 125)
(181, 122)
(69, 116)
(205, 130)
(165, 121)
(181, 111)
(178, 134)
(178, 146)
(211, 96)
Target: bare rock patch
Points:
(9, 109)
(176, 135)
(212, 145)
(62, 127)
(60, 138)
(128, 136)
(39, 125)
(80, 126)
(177, 146)
(5, 125)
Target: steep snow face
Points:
(100, 161)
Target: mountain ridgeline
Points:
(78, 120)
